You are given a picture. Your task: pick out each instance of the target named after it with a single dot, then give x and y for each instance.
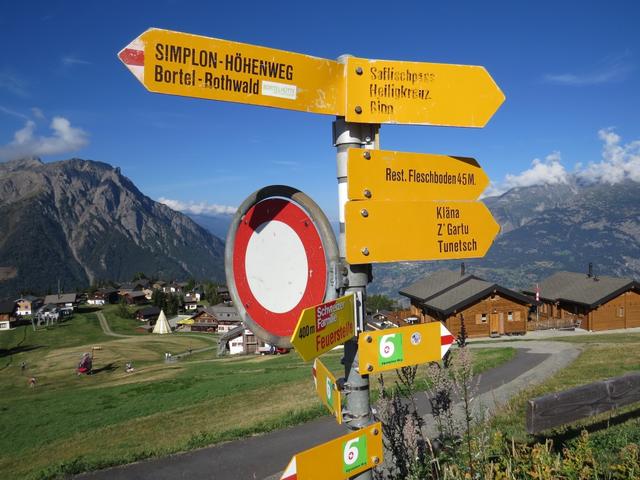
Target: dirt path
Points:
(107, 331)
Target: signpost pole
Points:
(355, 279)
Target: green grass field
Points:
(70, 423)
(603, 356)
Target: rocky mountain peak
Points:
(84, 220)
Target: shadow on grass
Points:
(109, 367)
(560, 438)
(18, 349)
(88, 309)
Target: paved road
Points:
(264, 457)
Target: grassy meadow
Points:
(603, 356)
(70, 423)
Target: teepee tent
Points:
(162, 326)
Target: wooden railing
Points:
(577, 403)
(550, 323)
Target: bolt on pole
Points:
(355, 278)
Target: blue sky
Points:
(569, 71)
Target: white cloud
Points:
(619, 161)
(63, 138)
(542, 172)
(610, 70)
(37, 113)
(198, 208)
(70, 60)
(13, 113)
(12, 82)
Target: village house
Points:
(7, 314)
(223, 293)
(220, 318)
(66, 301)
(135, 297)
(103, 296)
(488, 309)
(27, 305)
(148, 314)
(240, 340)
(129, 287)
(588, 301)
(190, 301)
(227, 316)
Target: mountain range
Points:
(544, 229)
(76, 222)
(79, 221)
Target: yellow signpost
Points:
(324, 327)
(399, 176)
(194, 66)
(381, 231)
(340, 458)
(393, 348)
(387, 91)
(399, 206)
(327, 389)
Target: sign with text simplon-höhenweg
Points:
(194, 66)
(324, 327)
(364, 91)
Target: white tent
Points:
(162, 326)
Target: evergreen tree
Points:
(376, 303)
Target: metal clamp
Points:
(348, 418)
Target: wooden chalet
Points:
(202, 321)
(134, 297)
(588, 301)
(227, 315)
(27, 305)
(148, 314)
(223, 293)
(220, 318)
(488, 309)
(7, 314)
(190, 301)
(103, 296)
(62, 300)
(129, 287)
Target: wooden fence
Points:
(557, 409)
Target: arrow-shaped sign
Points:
(193, 66)
(393, 348)
(327, 389)
(381, 231)
(372, 91)
(388, 91)
(340, 458)
(397, 176)
(324, 327)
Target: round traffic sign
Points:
(279, 254)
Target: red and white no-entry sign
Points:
(279, 257)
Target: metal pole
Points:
(355, 279)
